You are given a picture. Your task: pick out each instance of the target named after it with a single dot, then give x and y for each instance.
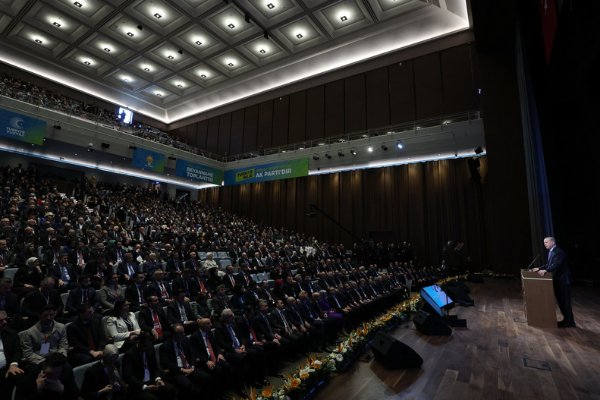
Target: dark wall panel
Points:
(315, 113)
(265, 124)
(281, 108)
(378, 99)
(250, 128)
(212, 141)
(191, 134)
(428, 86)
(237, 132)
(334, 108)
(355, 105)
(402, 93)
(202, 134)
(224, 133)
(297, 117)
(457, 80)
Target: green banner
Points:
(198, 172)
(267, 172)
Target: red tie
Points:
(232, 280)
(202, 285)
(184, 360)
(252, 333)
(80, 256)
(210, 349)
(163, 292)
(156, 323)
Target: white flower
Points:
(339, 357)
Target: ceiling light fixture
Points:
(328, 156)
(299, 36)
(140, 27)
(125, 79)
(370, 148)
(203, 76)
(353, 151)
(270, 6)
(230, 64)
(78, 4)
(199, 43)
(340, 153)
(130, 34)
(315, 157)
(106, 49)
(179, 85)
(263, 51)
(56, 24)
(170, 57)
(180, 51)
(159, 94)
(399, 144)
(231, 26)
(87, 62)
(344, 18)
(38, 41)
(158, 16)
(383, 147)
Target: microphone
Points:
(534, 260)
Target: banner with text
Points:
(22, 127)
(149, 160)
(267, 172)
(197, 172)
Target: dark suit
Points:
(155, 289)
(219, 304)
(133, 373)
(189, 286)
(11, 305)
(76, 298)
(254, 357)
(132, 294)
(222, 368)
(297, 338)
(13, 354)
(186, 384)
(174, 315)
(146, 322)
(123, 269)
(561, 277)
(226, 280)
(94, 379)
(54, 271)
(78, 336)
(34, 301)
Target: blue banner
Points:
(149, 160)
(198, 172)
(22, 127)
(267, 172)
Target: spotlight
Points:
(90, 145)
(105, 145)
(315, 157)
(399, 144)
(340, 153)
(370, 148)
(478, 150)
(132, 146)
(353, 151)
(383, 147)
(57, 126)
(328, 156)
(172, 157)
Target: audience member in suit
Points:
(97, 269)
(200, 306)
(55, 381)
(312, 335)
(264, 292)
(85, 336)
(153, 319)
(140, 371)
(287, 330)
(290, 288)
(209, 356)
(213, 278)
(270, 333)
(78, 257)
(239, 300)
(201, 282)
(181, 311)
(186, 283)
(230, 280)
(10, 356)
(220, 300)
(28, 277)
(127, 269)
(137, 292)
(116, 254)
(193, 262)
(9, 302)
(103, 378)
(161, 288)
(177, 356)
(151, 266)
(175, 266)
(110, 292)
(64, 274)
(82, 294)
(122, 326)
(34, 301)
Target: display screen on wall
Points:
(21, 127)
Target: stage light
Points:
(383, 147)
(132, 146)
(328, 156)
(57, 126)
(478, 150)
(353, 151)
(370, 148)
(399, 144)
(315, 157)
(340, 153)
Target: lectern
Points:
(538, 299)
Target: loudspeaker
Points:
(431, 324)
(394, 354)
(105, 145)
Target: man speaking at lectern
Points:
(557, 264)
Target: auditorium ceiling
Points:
(170, 59)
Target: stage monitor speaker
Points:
(430, 324)
(394, 354)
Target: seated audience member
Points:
(110, 292)
(200, 306)
(85, 293)
(64, 274)
(102, 380)
(178, 358)
(136, 292)
(327, 312)
(201, 282)
(151, 266)
(209, 356)
(282, 326)
(220, 300)
(181, 311)
(127, 269)
(141, 373)
(238, 300)
(9, 302)
(10, 356)
(193, 262)
(122, 326)
(44, 338)
(85, 337)
(34, 301)
(153, 319)
(186, 283)
(175, 266)
(97, 269)
(161, 288)
(55, 381)
(230, 280)
(28, 277)
(209, 262)
(213, 278)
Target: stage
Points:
(497, 356)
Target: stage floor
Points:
(498, 356)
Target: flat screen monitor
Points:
(436, 298)
(126, 115)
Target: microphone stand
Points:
(534, 260)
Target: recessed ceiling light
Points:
(86, 62)
(147, 69)
(198, 42)
(56, 24)
(270, 6)
(170, 57)
(106, 49)
(78, 4)
(230, 64)
(158, 16)
(203, 76)
(344, 18)
(38, 41)
(129, 34)
(231, 26)
(179, 85)
(299, 36)
(159, 94)
(263, 51)
(125, 79)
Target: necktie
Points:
(236, 343)
(232, 280)
(64, 273)
(130, 269)
(184, 360)
(182, 312)
(79, 257)
(308, 308)
(550, 257)
(285, 323)
(163, 291)
(141, 294)
(267, 322)
(210, 349)
(156, 323)
(252, 333)
(202, 288)
(85, 296)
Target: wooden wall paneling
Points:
(315, 113)
(428, 86)
(224, 134)
(378, 99)
(191, 134)
(416, 207)
(457, 80)
(250, 128)
(212, 140)
(297, 131)
(402, 93)
(347, 217)
(237, 132)
(334, 108)
(265, 124)
(355, 104)
(202, 134)
(281, 109)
